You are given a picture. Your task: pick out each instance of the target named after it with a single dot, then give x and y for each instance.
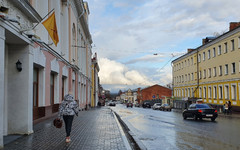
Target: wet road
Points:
(167, 130)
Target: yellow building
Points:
(212, 71)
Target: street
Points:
(167, 130)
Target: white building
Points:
(33, 93)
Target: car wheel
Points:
(170, 109)
(195, 117)
(184, 117)
(213, 119)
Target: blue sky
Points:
(126, 34)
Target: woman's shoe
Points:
(68, 139)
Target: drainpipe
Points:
(197, 74)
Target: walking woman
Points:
(67, 109)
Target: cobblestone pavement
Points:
(95, 129)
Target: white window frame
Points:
(226, 69)
(220, 70)
(220, 92)
(215, 92)
(219, 50)
(204, 92)
(225, 47)
(234, 91)
(209, 92)
(200, 92)
(232, 45)
(226, 92)
(209, 72)
(239, 42)
(192, 77)
(204, 73)
(199, 57)
(214, 71)
(233, 67)
(203, 56)
(214, 52)
(209, 54)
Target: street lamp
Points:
(19, 66)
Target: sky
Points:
(136, 40)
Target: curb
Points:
(133, 141)
(125, 140)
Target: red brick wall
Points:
(147, 93)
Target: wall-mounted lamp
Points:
(19, 66)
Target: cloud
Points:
(112, 72)
(146, 58)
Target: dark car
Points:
(199, 111)
(129, 104)
(146, 105)
(112, 103)
(166, 107)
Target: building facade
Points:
(155, 92)
(211, 71)
(35, 73)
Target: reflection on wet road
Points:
(167, 130)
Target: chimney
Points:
(204, 41)
(190, 50)
(233, 25)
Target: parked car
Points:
(199, 111)
(146, 105)
(156, 106)
(129, 104)
(111, 103)
(166, 107)
(137, 105)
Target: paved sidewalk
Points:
(96, 129)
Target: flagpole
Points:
(43, 19)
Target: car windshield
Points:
(158, 104)
(202, 106)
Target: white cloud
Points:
(112, 72)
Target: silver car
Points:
(156, 106)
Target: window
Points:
(209, 54)
(185, 63)
(185, 78)
(182, 78)
(214, 71)
(226, 48)
(238, 42)
(209, 72)
(226, 69)
(52, 89)
(220, 70)
(204, 73)
(189, 77)
(35, 86)
(203, 56)
(234, 92)
(182, 92)
(219, 50)
(220, 92)
(191, 61)
(209, 92)
(199, 57)
(200, 74)
(232, 42)
(189, 92)
(226, 92)
(204, 92)
(188, 62)
(193, 93)
(215, 92)
(186, 92)
(233, 68)
(192, 77)
(214, 52)
(182, 65)
(200, 92)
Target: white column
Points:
(20, 86)
(2, 62)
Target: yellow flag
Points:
(51, 26)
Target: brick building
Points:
(154, 92)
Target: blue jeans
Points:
(68, 119)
